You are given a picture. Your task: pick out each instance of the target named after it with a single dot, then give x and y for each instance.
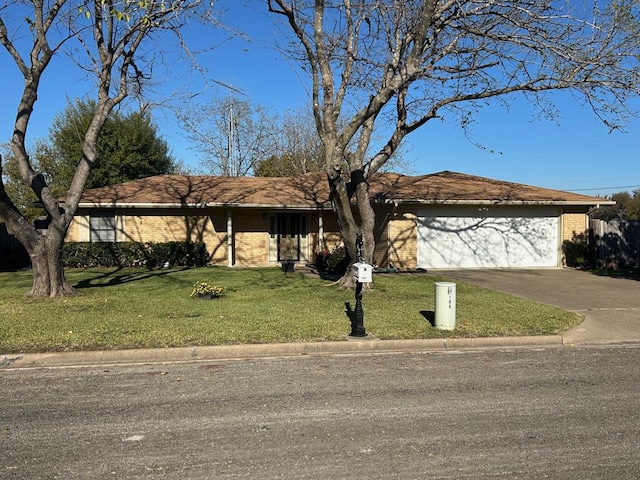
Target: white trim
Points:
(272, 231)
(121, 235)
(321, 243)
(84, 228)
(303, 234)
(499, 202)
(229, 238)
(321, 207)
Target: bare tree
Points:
(299, 140)
(231, 134)
(296, 148)
(403, 63)
(115, 41)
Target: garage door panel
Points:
(472, 241)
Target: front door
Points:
(288, 237)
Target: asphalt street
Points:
(553, 412)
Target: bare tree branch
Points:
(113, 35)
(402, 63)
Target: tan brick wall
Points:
(171, 227)
(332, 239)
(573, 225)
(73, 233)
(165, 226)
(251, 231)
(403, 239)
(332, 236)
(251, 228)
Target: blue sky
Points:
(578, 154)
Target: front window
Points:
(103, 226)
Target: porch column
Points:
(229, 238)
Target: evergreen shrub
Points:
(134, 254)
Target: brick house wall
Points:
(403, 238)
(162, 225)
(574, 225)
(251, 236)
(395, 233)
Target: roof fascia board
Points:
(497, 202)
(201, 205)
(327, 206)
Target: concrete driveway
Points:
(611, 306)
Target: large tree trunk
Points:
(48, 272)
(351, 225)
(45, 252)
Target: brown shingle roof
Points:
(195, 190)
(453, 187)
(311, 190)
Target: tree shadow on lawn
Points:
(259, 278)
(123, 278)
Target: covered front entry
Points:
(487, 237)
(288, 237)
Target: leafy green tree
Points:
(627, 207)
(632, 208)
(129, 147)
(22, 196)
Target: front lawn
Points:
(134, 308)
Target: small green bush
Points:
(335, 261)
(134, 254)
(578, 253)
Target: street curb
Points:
(252, 351)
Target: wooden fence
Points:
(616, 242)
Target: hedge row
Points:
(134, 254)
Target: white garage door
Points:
(495, 237)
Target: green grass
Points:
(135, 308)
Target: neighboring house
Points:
(443, 220)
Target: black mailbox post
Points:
(357, 322)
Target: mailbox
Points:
(363, 272)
